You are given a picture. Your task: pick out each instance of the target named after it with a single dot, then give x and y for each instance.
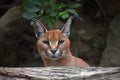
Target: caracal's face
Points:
(53, 44)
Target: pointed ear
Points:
(66, 28)
(39, 28)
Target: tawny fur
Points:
(68, 59)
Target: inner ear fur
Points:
(39, 28)
(66, 28)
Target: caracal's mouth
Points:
(54, 56)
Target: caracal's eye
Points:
(60, 42)
(46, 42)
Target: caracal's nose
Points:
(53, 50)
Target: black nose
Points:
(53, 50)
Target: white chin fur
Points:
(57, 55)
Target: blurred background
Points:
(96, 39)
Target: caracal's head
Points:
(52, 44)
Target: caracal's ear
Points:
(66, 28)
(39, 28)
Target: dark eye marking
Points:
(60, 42)
(46, 42)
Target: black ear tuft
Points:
(66, 28)
(39, 28)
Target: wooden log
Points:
(60, 73)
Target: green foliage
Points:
(49, 10)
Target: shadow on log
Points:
(60, 73)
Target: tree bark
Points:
(60, 73)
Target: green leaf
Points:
(31, 8)
(61, 13)
(50, 24)
(37, 2)
(74, 5)
(61, 5)
(48, 20)
(73, 11)
(64, 14)
(29, 15)
(54, 13)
